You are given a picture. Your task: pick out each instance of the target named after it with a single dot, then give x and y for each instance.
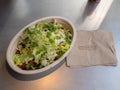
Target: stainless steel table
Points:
(15, 14)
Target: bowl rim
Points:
(30, 72)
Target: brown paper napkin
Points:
(92, 48)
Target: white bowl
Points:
(12, 46)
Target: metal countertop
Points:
(15, 14)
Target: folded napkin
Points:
(92, 48)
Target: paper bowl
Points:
(12, 46)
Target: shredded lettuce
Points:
(41, 45)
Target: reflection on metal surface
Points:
(21, 8)
(95, 14)
(49, 80)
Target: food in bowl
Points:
(42, 44)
